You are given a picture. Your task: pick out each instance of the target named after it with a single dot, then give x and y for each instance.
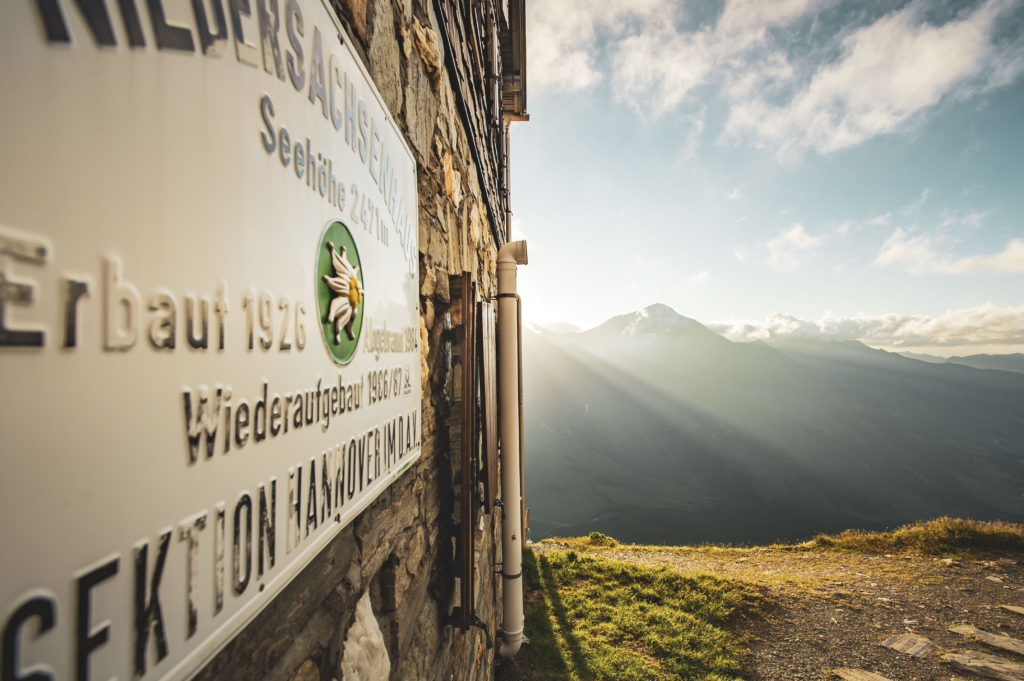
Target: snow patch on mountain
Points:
(656, 318)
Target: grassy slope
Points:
(940, 536)
(593, 618)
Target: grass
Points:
(935, 537)
(590, 618)
(932, 538)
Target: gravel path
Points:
(835, 609)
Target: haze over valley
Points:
(652, 428)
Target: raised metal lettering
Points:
(213, 44)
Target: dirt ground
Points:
(835, 609)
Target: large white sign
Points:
(209, 330)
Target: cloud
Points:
(654, 70)
(692, 140)
(517, 230)
(575, 44)
(986, 324)
(973, 219)
(563, 38)
(657, 67)
(733, 195)
(787, 251)
(920, 255)
(890, 70)
(699, 277)
(916, 205)
(966, 152)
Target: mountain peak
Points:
(653, 320)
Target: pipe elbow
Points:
(507, 649)
(513, 252)
(510, 642)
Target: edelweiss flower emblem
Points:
(347, 294)
(340, 292)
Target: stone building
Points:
(417, 573)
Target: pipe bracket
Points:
(480, 624)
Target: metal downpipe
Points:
(509, 416)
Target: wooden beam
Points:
(994, 640)
(986, 665)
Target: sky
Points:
(848, 170)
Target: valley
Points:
(654, 429)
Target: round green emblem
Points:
(339, 292)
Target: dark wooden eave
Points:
(513, 61)
(485, 54)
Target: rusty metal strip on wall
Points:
(465, 437)
(469, 439)
(489, 388)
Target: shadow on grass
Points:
(548, 625)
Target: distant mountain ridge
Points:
(1009, 362)
(652, 428)
(931, 359)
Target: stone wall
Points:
(402, 548)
